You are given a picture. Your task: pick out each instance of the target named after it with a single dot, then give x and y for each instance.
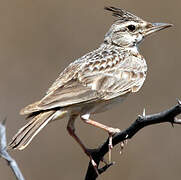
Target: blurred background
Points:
(38, 39)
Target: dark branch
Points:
(141, 122)
(4, 154)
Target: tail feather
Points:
(25, 135)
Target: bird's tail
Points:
(25, 135)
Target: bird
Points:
(94, 82)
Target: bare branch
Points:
(141, 122)
(4, 154)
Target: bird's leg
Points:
(71, 130)
(108, 129)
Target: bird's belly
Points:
(101, 106)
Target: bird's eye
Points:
(131, 28)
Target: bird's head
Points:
(129, 30)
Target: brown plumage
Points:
(26, 134)
(94, 82)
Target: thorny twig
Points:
(141, 122)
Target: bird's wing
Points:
(67, 75)
(115, 75)
(73, 92)
(91, 80)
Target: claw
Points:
(122, 144)
(111, 131)
(95, 166)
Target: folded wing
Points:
(90, 81)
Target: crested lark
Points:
(94, 82)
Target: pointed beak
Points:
(154, 27)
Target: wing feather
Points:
(93, 79)
(67, 95)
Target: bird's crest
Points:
(122, 14)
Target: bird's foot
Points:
(122, 144)
(111, 132)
